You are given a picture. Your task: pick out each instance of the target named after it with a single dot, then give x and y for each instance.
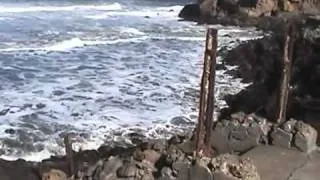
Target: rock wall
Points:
(246, 12)
(259, 62)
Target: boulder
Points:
(106, 170)
(190, 12)
(54, 174)
(232, 167)
(305, 138)
(239, 134)
(281, 138)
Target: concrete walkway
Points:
(276, 163)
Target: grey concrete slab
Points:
(276, 163)
(310, 170)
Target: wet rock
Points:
(281, 138)
(4, 112)
(54, 174)
(190, 12)
(58, 93)
(10, 131)
(135, 137)
(181, 120)
(40, 106)
(305, 138)
(75, 114)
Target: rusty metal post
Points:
(285, 76)
(69, 154)
(212, 48)
(206, 109)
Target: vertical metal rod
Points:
(285, 77)
(201, 118)
(69, 154)
(203, 130)
(211, 98)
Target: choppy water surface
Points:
(100, 70)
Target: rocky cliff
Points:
(266, 14)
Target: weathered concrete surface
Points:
(310, 171)
(277, 163)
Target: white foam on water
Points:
(130, 30)
(97, 17)
(170, 12)
(100, 7)
(77, 42)
(114, 78)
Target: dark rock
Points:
(135, 137)
(4, 112)
(281, 138)
(10, 131)
(40, 106)
(75, 114)
(181, 120)
(58, 93)
(190, 12)
(20, 169)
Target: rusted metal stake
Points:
(212, 76)
(69, 154)
(285, 76)
(206, 109)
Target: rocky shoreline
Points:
(247, 124)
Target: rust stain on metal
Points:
(285, 74)
(206, 109)
(69, 154)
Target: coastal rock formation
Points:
(259, 62)
(264, 14)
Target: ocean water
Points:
(101, 70)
